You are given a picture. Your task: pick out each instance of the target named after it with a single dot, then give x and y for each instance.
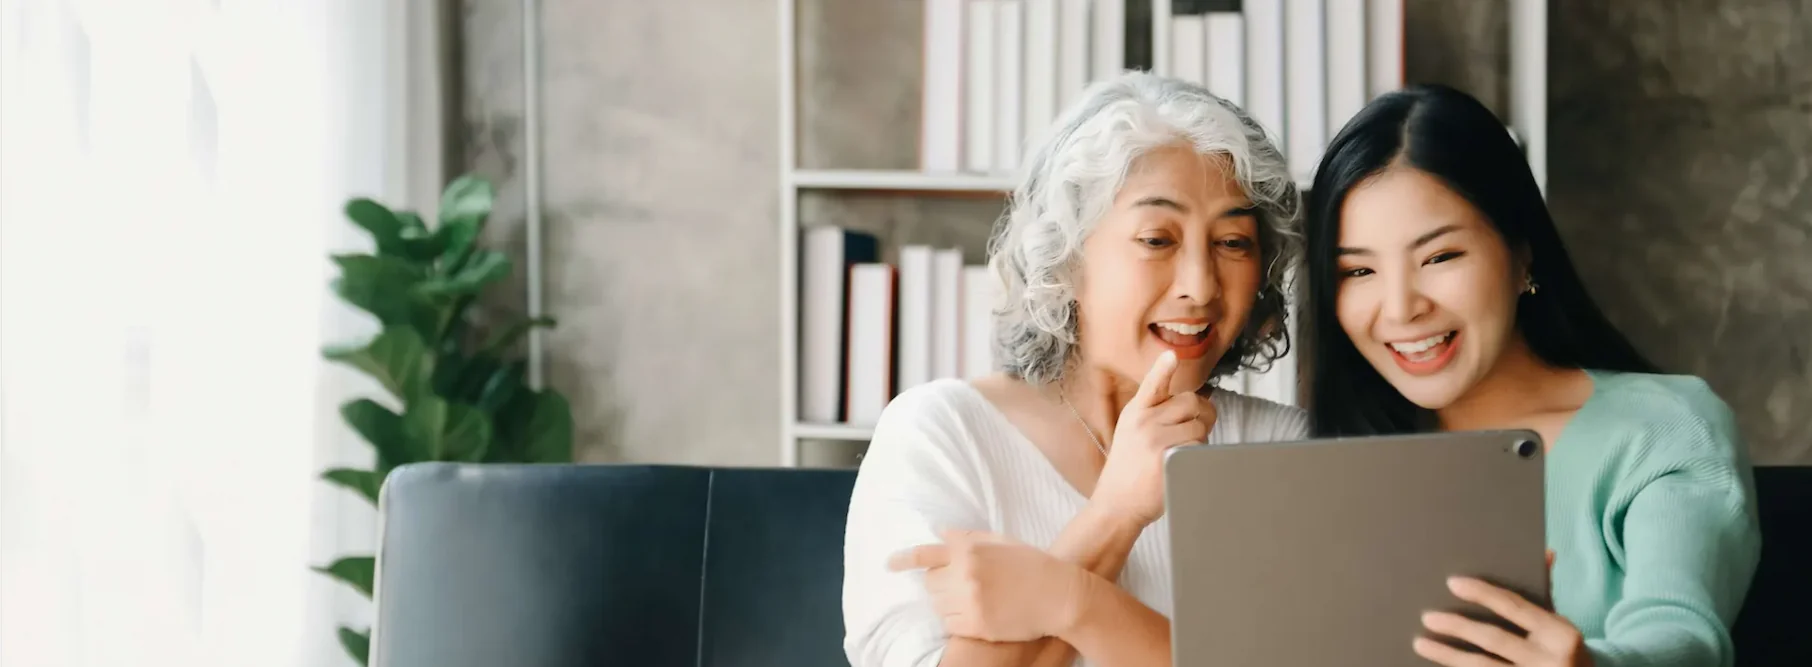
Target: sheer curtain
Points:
(171, 177)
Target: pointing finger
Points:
(922, 557)
(1155, 388)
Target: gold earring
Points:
(1529, 284)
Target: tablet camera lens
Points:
(1525, 449)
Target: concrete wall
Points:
(661, 162)
(1681, 174)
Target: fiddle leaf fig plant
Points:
(452, 396)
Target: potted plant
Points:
(454, 397)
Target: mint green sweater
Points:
(1651, 516)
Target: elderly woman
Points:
(1017, 518)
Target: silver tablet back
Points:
(1327, 552)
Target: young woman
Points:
(1442, 298)
(1017, 518)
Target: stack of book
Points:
(1302, 68)
(869, 329)
(997, 72)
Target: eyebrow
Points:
(1419, 242)
(1172, 204)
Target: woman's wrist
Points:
(1104, 516)
(1081, 591)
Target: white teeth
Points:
(1420, 345)
(1185, 329)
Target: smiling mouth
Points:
(1426, 355)
(1189, 341)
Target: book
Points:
(825, 258)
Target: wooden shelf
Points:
(813, 431)
(898, 181)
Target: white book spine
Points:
(1265, 66)
(1110, 39)
(1227, 56)
(1305, 85)
(947, 313)
(1188, 54)
(915, 316)
(1040, 67)
(941, 122)
(870, 380)
(1384, 46)
(980, 292)
(1074, 47)
(1346, 71)
(822, 299)
(1010, 84)
(978, 140)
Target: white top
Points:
(943, 457)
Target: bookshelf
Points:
(879, 180)
(1527, 22)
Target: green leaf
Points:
(385, 226)
(386, 287)
(456, 239)
(354, 571)
(365, 482)
(550, 431)
(477, 375)
(515, 332)
(467, 200)
(380, 427)
(449, 373)
(484, 268)
(501, 386)
(397, 357)
(418, 243)
(443, 431)
(357, 644)
(538, 428)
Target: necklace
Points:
(1085, 428)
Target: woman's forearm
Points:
(966, 652)
(1096, 541)
(1115, 628)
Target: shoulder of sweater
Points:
(1675, 415)
(922, 441)
(941, 410)
(943, 415)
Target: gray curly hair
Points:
(1069, 182)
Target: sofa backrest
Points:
(590, 565)
(593, 565)
(1775, 626)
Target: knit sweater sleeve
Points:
(915, 481)
(1690, 540)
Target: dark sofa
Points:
(595, 565)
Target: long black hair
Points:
(1452, 137)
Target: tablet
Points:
(1326, 552)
